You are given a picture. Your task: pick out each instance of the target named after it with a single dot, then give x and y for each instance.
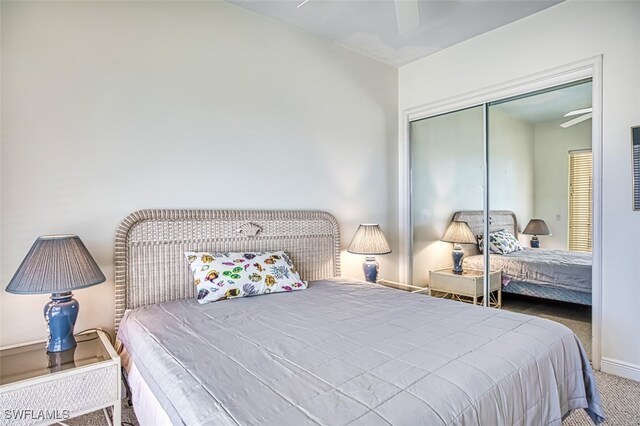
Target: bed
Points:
(548, 274)
(340, 352)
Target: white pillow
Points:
(219, 276)
(500, 242)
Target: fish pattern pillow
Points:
(219, 276)
(500, 242)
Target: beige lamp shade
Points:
(536, 227)
(459, 233)
(56, 264)
(369, 240)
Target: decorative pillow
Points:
(220, 276)
(500, 242)
(480, 239)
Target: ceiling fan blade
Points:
(578, 112)
(407, 15)
(576, 120)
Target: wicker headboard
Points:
(150, 245)
(498, 219)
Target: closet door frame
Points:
(573, 72)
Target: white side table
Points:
(37, 388)
(466, 287)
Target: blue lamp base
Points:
(457, 254)
(535, 242)
(370, 268)
(60, 314)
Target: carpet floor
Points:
(576, 317)
(621, 397)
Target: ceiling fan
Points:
(407, 15)
(583, 114)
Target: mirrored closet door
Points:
(447, 170)
(534, 153)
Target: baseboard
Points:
(620, 368)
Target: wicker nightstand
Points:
(32, 391)
(466, 287)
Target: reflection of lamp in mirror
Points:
(458, 233)
(59, 361)
(369, 240)
(536, 227)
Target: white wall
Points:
(552, 146)
(511, 165)
(112, 107)
(568, 32)
(447, 176)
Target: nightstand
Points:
(466, 287)
(40, 388)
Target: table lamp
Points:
(458, 233)
(369, 240)
(57, 264)
(536, 227)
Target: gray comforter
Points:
(555, 268)
(348, 352)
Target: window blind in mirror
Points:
(580, 201)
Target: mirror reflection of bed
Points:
(540, 188)
(546, 282)
(540, 168)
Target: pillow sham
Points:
(219, 276)
(500, 242)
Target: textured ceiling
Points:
(370, 26)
